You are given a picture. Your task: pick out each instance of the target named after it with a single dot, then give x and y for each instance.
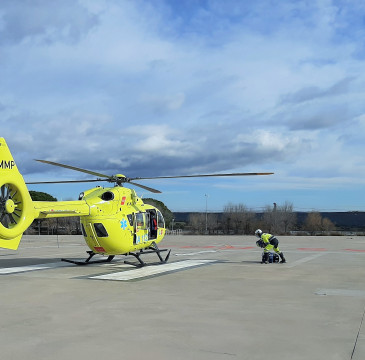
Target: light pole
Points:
(206, 213)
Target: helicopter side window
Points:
(100, 230)
(141, 221)
(160, 220)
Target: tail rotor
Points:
(11, 206)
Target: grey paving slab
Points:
(229, 307)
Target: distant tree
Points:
(202, 223)
(212, 223)
(166, 212)
(238, 218)
(51, 224)
(197, 222)
(41, 196)
(287, 217)
(313, 222)
(279, 219)
(269, 219)
(228, 220)
(69, 225)
(328, 225)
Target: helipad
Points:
(212, 300)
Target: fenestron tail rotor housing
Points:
(11, 205)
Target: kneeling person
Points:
(268, 242)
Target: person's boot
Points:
(282, 258)
(265, 258)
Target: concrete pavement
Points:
(213, 300)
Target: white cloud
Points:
(44, 21)
(164, 88)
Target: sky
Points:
(163, 88)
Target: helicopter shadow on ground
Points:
(30, 261)
(8, 263)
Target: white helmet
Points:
(258, 233)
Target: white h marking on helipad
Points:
(152, 270)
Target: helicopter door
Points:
(140, 228)
(153, 224)
(160, 220)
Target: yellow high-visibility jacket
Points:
(266, 238)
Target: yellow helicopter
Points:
(114, 220)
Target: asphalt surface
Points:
(212, 300)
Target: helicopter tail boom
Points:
(55, 209)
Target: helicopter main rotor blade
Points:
(64, 181)
(121, 179)
(201, 175)
(145, 187)
(74, 168)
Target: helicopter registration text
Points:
(7, 164)
(142, 238)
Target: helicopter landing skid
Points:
(87, 261)
(152, 249)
